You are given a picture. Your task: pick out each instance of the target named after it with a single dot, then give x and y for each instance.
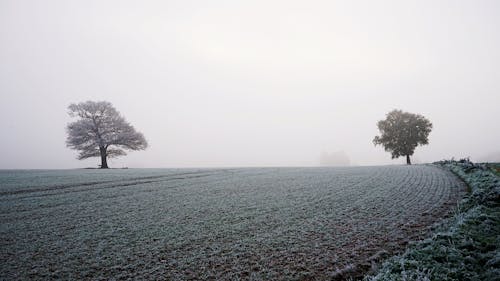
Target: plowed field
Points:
(215, 224)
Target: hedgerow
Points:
(465, 246)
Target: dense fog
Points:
(250, 83)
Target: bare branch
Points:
(100, 127)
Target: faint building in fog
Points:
(338, 158)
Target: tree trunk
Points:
(104, 160)
(408, 162)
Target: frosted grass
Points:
(225, 224)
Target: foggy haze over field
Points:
(250, 83)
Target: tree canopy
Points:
(401, 132)
(101, 131)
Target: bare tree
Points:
(101, 132)
(401, 132)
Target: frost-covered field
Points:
(466, 246)
(253, 223)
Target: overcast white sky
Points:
(249, 83)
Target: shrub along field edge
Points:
(465, 246)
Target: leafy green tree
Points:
(401, 132)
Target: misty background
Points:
(250, 83)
